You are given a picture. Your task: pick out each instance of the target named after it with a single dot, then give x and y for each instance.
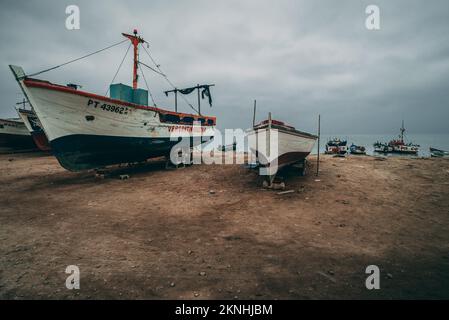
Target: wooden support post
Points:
(254, 113)
(318, 153)
(199, 100)
(176, 100)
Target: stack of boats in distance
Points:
(337, 146)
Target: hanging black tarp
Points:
(204, 93)
(187, 90)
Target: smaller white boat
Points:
(277, 145)
(357, 150)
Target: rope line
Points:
(118, 70)
(148, 88)
(145, 65)
(74, 60)
(168, 80)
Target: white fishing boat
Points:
(397, 145)
(14, 135)
(336, 146)
(88, 131)
(277, 145)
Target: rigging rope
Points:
(151, 68)
(74, 60)
(166, 78)
(118, 70)
(148, 88)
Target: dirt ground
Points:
(207, 232)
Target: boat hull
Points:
(358, 152)
(16, 142)
(84, 152)
(34, 126)
(41, 141)
(15, 136)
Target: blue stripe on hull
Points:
(84, 152)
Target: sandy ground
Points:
(163, 235)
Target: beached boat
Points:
(438, 153)
(88, 131)
(382, 147)
(14, 135)
(34, 127)
(277, 145)
(336, 146)
(397, 145)
(358, 150)
(229, 147)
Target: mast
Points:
(402, 131)
(135, 40)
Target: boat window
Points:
(166, 117)
(187, 119)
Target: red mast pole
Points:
(135, 40)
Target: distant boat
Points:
(336, 146)
(354, 149)
(293, 146)
(229, 147)
(437, 153)
(382, 147)
(34, 126)
(397, 145)
(14, 135)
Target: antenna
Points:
(402, 131)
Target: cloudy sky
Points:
(297, 58)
